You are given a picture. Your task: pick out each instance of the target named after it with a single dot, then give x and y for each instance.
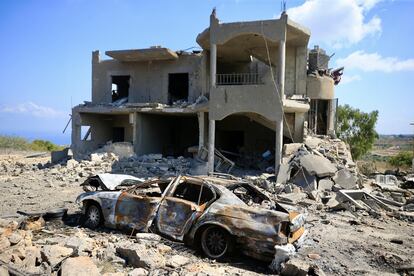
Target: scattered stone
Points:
(79, 266)
(314, 256)
(54, 254)
(177, 261)
(15, 238)
(33, 224)
(4, 244)
(4, 271)
(138, 272)
(148, 236)
(138, 255)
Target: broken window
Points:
(120, 87)
(177, 87)
(154, 189)
(86, 133)
(118, 134)
(198, 194)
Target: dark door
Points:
(118, 134)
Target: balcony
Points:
(238, 79)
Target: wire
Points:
(279, 97)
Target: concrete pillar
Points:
(279, 123)
(213, 64)
(76, 133)
(201, 129)
(282, 66)
(299, 121)
(279, 144)
(211, 146)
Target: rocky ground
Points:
(344, 242)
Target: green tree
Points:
(357, 128)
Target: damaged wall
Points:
(102, 130)
(148, 81)
(169, 135)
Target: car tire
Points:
(216, 242)
(93, 216)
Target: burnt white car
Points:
(210, 212)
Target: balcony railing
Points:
(238, 79)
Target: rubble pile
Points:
(317, 167)
(54, 249)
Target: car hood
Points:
(109, 182)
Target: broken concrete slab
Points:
(284, 174)
(138, 255)
(318, 165)
(293, 197)
(345, 179)
(79, 266)
(54, 254)
(303, 179)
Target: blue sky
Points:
(46, 51)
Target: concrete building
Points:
(247, 91)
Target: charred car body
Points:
(215, 213)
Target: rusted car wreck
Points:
(213, 213)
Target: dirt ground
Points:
(339, 243)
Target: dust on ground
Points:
(337, 243)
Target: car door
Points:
(182, 206)
(137, 207)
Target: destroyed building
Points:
(253, 87)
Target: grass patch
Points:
(19, 143)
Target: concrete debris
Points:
(325, 184)
(177, 261)
(54, 254)
(345, 179)
(138, 255)
(138, 272)
(317, 165)
(283, 253)
(79, 266)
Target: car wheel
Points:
(215, 242)
(93, 216)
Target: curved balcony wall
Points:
(320, 87)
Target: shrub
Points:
(13, 142)
(402, 159)
(19, 143)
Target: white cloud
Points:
(337, 23)
(33, 109)
(375, 62)
(350, 78)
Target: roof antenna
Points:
(283, 6)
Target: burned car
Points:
(213, 213)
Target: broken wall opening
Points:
(105, 128)
(170, 135)
(120, 87)
(177, 87)
(243, 140)
(322, 116)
